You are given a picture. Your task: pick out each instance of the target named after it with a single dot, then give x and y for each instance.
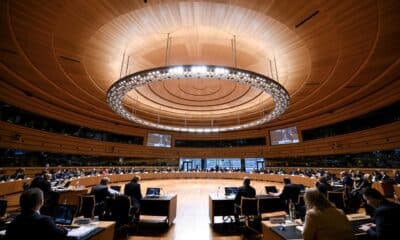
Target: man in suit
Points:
(289, 193)
(30, 224)
(133, 190)
(101, 192)
(385, 218)
(244, 191)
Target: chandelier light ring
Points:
(119, 89)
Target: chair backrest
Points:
(3, 207)
(87, 204)
(120, 210)
(337, 198)
(249, 206)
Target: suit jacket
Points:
(290, 191)
(386, 218)
(100, 193)
(32, 225)
(329, 224)
(133, 190)
(245, 191)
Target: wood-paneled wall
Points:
(380, 138)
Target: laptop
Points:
(153, 192)
(271, 189)
(64, 214)
(231, 191)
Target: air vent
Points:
(307, 18)
(70, 59)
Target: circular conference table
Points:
(13, 187)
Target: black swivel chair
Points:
(250, 212)
(338, 198)
(3, 207)
(87, 204)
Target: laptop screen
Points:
(231, 190)
(271, 189)
(64, 214)
(153, 192)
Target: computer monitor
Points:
(64, 214)
(271, 189)
(231, 190)
(153, 192)
(116, 188)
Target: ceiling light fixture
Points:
(120, 88)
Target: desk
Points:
(221, 205)
(161, 206)
(107, 233)
(271, 231)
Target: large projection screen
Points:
(284, 136)
(158, 140)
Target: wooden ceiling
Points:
(336, 59)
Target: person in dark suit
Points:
(30, 224)
(244, 191)
(385, 219)
(133, 190)
(289, 193)
(323, 186)
(101, 192)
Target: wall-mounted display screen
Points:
(158, 140)
(284, 136)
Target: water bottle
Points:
(292, 211)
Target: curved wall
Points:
(380, 138)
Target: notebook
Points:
(231, 190)
(64, 214)
(271, 189)
(153, 192)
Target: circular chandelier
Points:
(120, 88)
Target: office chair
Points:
(87, 205)
(338, 198)
(120, 213)
(250, 211)
(3, 207)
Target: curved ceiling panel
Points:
(328, 55)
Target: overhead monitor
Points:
(284, 136)
(158, 140)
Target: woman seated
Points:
(323, 220)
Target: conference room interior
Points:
(190, 99)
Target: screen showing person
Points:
(284, 136)
(158, 140)
(231, 190)
(152, 192)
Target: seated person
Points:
(385, 218)
(101, 192)
(30, 224)
(290, 192)
(323, 186)
(244, 191)
(323, 220)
